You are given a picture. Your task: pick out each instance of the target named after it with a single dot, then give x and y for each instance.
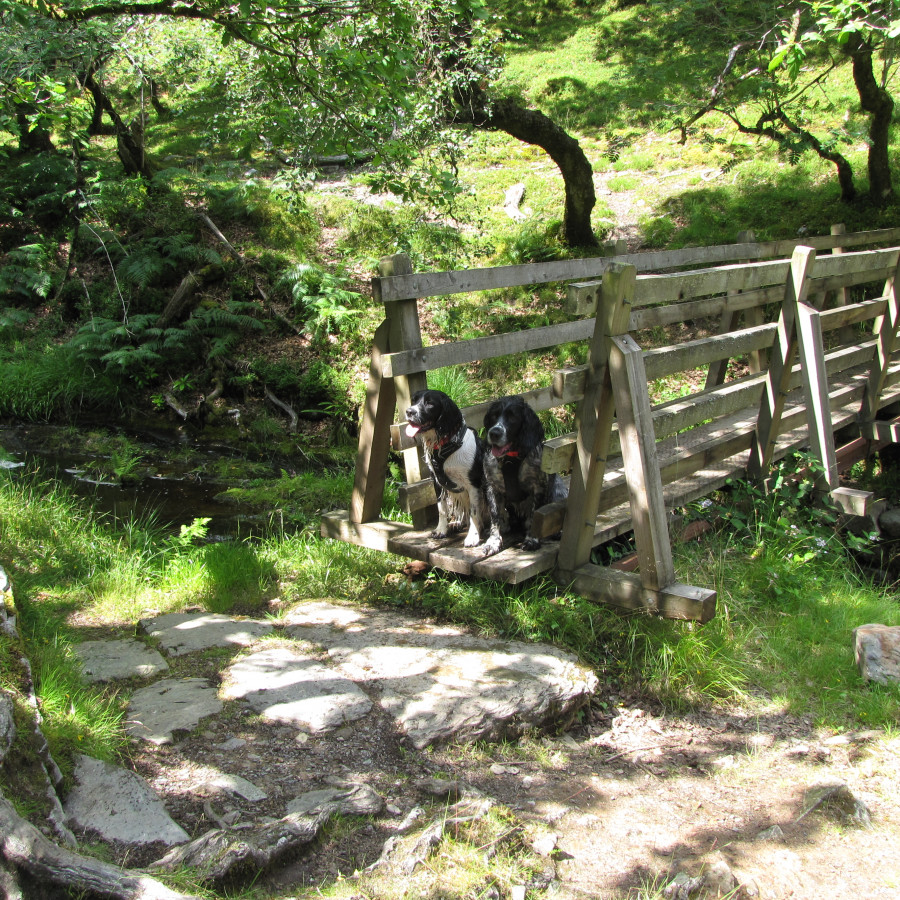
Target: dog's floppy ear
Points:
(493, 413)
(532, 433)
(450, 418)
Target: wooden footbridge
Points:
(816, 323)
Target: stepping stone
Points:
(112, 660)
(119, 806)
(348, 799)
(180, 633)
(170, 705)
(234, 784)
(442, 683)
(285, 686)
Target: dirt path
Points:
(640, 796)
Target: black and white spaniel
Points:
(455, 456)
(515, 437)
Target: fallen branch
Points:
(187, 294)
(208, 222)
(289, 410)
(172, 403)
(24, 848)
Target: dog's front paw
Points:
(472, 540)
(530, 543)
(439, 533)
(491, 546)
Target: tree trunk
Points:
(876, 101)
(533, 127)
(32, 139)
(129, 141)
(23, 849)
(162, 111)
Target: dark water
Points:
(172, 494)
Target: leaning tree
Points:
(382, 76)
(772, 83)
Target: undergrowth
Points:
(789, 597)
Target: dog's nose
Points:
(496, 433)
(410, 410)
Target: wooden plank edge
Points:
(881, 431)
(624, 590)
(376, 535)
(854, 502)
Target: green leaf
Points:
(778, 58)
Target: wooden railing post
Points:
(638, 441)
(715, 375)
(885, 328)
(815, 391)
(781, 358)
(594, 420)
(374, 437)
(405, 333)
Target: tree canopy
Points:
(770, 87)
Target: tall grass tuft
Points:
(456, 383)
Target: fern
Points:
(26, 272)
(323, 300)
(131, 359)
(11, 322)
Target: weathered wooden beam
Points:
(489, 347)
(417, 495)
(854, 502)
(375, 535)
(372, 450)
(638, 440)
(718, 368)
(594, 420)
(781, 359)
(663, 361)
(815, 392)
(886, 336)
(852, 313)
(881, 431)
(511, 565)
(625, 590)
(405, 334)
(438, 284)
(558, 452)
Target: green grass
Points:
(616, 77)
(789, 598)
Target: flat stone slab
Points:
(170, 705)
(442, 683)
(349, 800)
(119, 806)
(284, 685)
(233, 784)
(112, 660)
(180, 633)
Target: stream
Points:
(172, 491)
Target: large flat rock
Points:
(442, 683)
(119, 806)
(180, 633)
(157, 711)
(112, 660)
(287, 686)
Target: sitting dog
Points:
(455, 457)
(515, 437)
